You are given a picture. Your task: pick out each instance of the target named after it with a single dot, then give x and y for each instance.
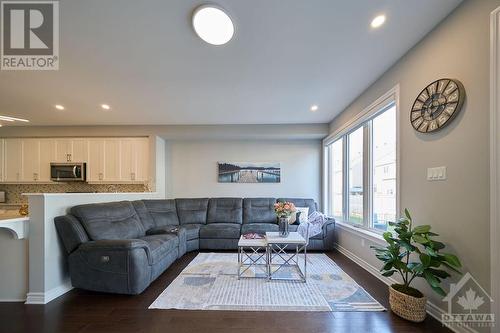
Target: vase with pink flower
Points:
(284, 210)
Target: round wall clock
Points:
(437, 105)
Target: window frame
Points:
(363, 119)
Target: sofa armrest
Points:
(71, 232)
(116, 245)
(330, 221)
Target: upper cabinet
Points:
(109, 160)
(134, 159)
(47, 156)
(71, 150)
(13, 158)
(104, 160)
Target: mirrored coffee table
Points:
(286, 253)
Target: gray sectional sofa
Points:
(121, 247)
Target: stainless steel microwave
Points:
(68, 172)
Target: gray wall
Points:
(458, 208)
(192, 167)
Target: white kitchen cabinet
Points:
(134, 159)
(95, 164)
(112, 160)
(142, 151)
(13, 155)
(63, 150)
(30, 160)
(109, 160)
(71, 150)
(47, 156)
(79, 150)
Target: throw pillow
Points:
(295, 218)
(304, 213)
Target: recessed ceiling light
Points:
(314, 108)
(105, 107)
(59, 107)
(213, 25)
(378, 21)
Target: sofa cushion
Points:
(220, 231)
(112, 220)
(300, 202)
(161, 245)
(192, 210)
(144, 215)
(260, 228)
(259, 210)
(192, 231)
(225, 210)
(163, 212)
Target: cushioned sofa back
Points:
(192, 210)
(225, 210)
(301, 202)
(112, 220)
(163, 212)
(144, 215)
(259, 210)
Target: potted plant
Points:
(284, 210)
(412, 252)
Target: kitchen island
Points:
(14, 255)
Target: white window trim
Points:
(369, 112)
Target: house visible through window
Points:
(362, 172)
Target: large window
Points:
(355, 180)
(384, 168)
(362, 169)
(337, 165)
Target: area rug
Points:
(210, 282)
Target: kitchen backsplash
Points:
(13, 192)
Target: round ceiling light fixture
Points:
(213, 25)
(378, 21)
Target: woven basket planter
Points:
(406, 306)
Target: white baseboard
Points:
(432, 309)
(46, 297)
(12, 300)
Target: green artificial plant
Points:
(408, 243)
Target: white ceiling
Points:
(143, 58)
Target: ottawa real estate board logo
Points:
(29, 35)
(468, 305)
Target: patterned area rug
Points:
(210, 282)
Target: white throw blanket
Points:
(313, 226)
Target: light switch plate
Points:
(438, 173)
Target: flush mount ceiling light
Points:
(213, 25)
(59, 107)
(105, 107)
(378, 21)
(314, 108)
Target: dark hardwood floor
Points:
(82, 311)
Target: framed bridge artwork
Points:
(248, 172)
